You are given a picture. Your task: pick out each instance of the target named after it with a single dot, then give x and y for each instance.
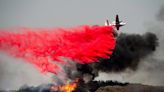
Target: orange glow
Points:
(69, 87)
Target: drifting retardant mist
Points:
(45, 47)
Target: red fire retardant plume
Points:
(45, 47)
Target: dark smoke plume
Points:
(130, 49)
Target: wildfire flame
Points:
(69, 87)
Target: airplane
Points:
(117, 23)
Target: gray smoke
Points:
(13, 77)
(129, 51)
(150, 69)
(160, 15)
(148, 72)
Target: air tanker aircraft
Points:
(116, 24)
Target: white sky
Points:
(66, 13)
(69, 13)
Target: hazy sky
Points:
(70, 13)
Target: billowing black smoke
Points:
(129, 51)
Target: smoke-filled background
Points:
(141, 16)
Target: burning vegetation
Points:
(68, 87)
(90, 45)
(92, 86)
(127, 54)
